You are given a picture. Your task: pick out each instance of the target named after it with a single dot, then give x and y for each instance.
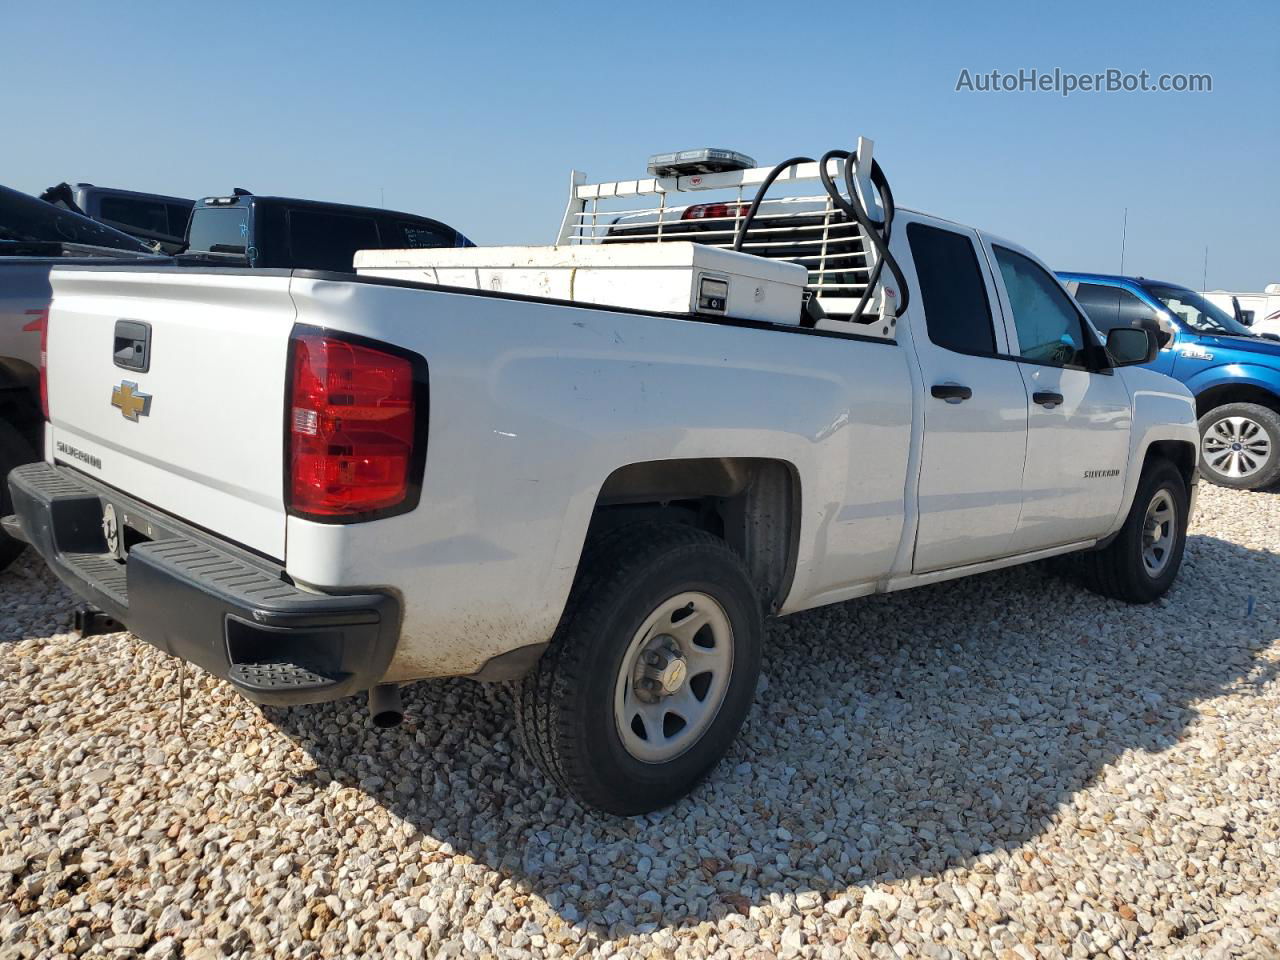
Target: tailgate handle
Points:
(133, 345)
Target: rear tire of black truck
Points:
(1141, 563)
(651, 672)
(14, 452)
(1240, 446)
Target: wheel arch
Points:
(1181, 453)
(1236, 391)
(20, 400)
(753, 504)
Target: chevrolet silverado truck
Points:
(317, 484)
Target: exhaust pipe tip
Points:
(385, 709)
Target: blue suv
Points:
(1234, 373)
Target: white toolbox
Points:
(669, 277)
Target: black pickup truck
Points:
(282, 232)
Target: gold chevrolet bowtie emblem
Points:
(133, 403)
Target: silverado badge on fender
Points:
(133, 403)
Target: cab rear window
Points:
(218, 230)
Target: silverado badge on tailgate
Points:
(133, 403)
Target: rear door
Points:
(1079, 412)
(193, 426)
(975, 414)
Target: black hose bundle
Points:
(877, 232)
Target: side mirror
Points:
(1129, 346)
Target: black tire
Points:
(1267, 473)
(565, 708)
(14, 452)
(1119, 571)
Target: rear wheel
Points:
(651, 672)
(14, 452)
(1141, 563)
(1240, 446)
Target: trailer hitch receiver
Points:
(91, 622)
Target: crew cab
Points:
(1232, 370)
(315, 484)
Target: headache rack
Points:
(793, 223)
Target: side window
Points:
(1133, 312)
(956, 310)
(1110, 307)
(407, 234)
(1101, 303)
(148, 215)
(319, 240)
(1049, 329)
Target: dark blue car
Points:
(1234, 373)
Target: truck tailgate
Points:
(199, 432)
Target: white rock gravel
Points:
(1003, 767)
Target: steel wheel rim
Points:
(1159, 531)
(1236, 447)
(673, 678)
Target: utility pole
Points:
(1124, 233)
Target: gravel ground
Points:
(1001, 767)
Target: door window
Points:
(957, 312)
(1049, 328)
(147, 215)
(1111, 307)
(409, 234)
(320, 240)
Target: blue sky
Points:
(475, 113)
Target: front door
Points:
(1078, 411)
(975, 406)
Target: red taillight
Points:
(41, 324)
(707, 211)
(352, 425)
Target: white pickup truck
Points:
(317, 484)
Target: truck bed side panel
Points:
(534, 405)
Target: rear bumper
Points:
(200, 598)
